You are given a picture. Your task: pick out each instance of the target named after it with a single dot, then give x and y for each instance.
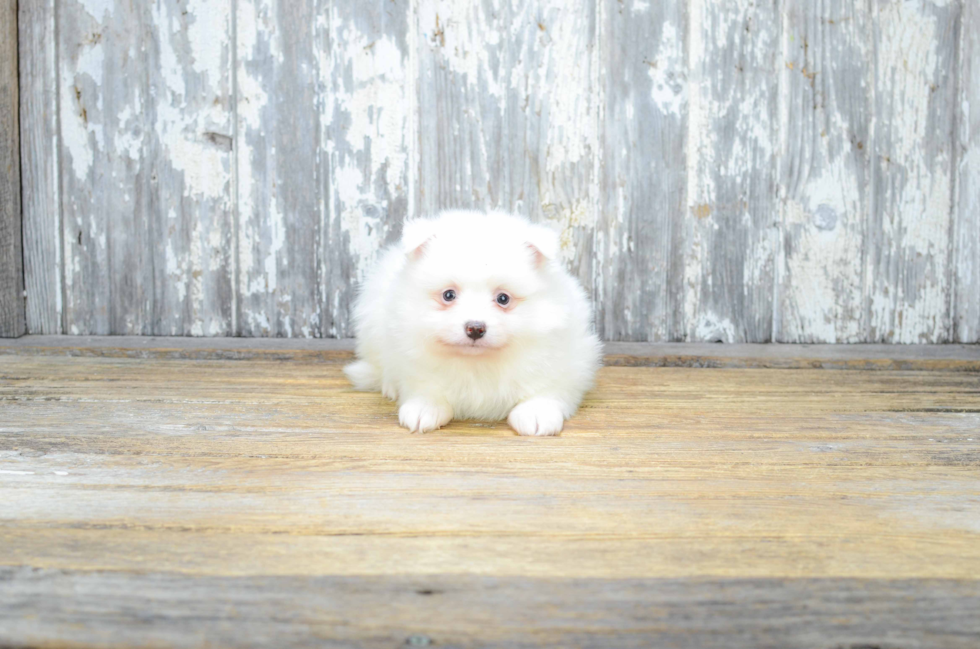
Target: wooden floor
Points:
(171, 498)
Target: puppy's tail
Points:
(364, 376)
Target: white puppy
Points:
(472, 317)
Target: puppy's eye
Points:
(503, 299)
(449, 295)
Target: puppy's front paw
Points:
(389, 390)
(421, 416)
(537, 417)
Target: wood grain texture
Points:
(507, 114)
(730, 227)
(966, 260)
(188, 501)
(367, 115)
(12, 318)
(639, 262)
(908, 245)
(824, 176)
(41, 190)
(178, 610)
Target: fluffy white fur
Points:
(538, 356)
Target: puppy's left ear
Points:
(543, 244)
(415, 235)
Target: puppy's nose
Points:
(475, 330)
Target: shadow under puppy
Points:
(471, 316)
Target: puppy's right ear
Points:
(543, 244)
(416, 236)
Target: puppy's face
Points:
(472, 295)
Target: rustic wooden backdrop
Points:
(746, 170)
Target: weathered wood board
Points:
(908, 246)
(966, 265)
(145, 134)
(41, 190)
(730, 230)
(824, 175)
(259, 501)
(12, 316)
(740, 172)
(276, 163)
(639, 288)
(367, 165)
(477, 611)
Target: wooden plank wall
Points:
(776, 170)
(12, 317)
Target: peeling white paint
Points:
(562, 62)
(100, 10)
(252, 25)
(907, 52)
(128, 139)
(80, 110)
(209, 55)
(730, 46)
(700, 157)
(668, 72)
(909, 304)
(459, 30)
(571, 128)
(277, 240)
(711, 327)
(205, 167)
(174, 271)
(826, 265)
(179, 127)
(375, 146)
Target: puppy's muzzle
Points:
(475, 330)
